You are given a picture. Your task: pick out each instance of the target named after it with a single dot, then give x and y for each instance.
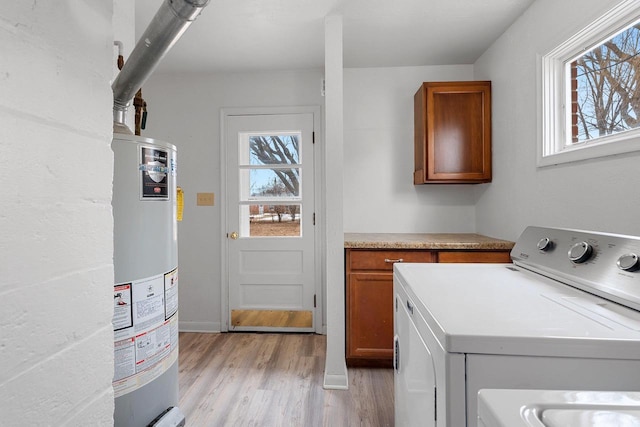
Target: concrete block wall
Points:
(56, 227)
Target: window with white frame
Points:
(591, 90)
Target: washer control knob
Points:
(580, 252)
(545, 244)
(628, 262)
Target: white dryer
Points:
(557, 408)
(565, 315)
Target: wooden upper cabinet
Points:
(452, 124)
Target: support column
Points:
(335, 372)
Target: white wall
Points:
(379, 195)
(599, 194)
(56, 339)
(378, 160)
(185, 111)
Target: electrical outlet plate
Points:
(205, 199)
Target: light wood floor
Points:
(274, 380)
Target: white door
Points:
(270, 222)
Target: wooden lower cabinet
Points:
(369, 297)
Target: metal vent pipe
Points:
(170, 22)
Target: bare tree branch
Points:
(275, 150)
(609, 86)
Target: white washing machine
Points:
(565, 315)
(558, 408)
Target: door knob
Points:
(234, 235)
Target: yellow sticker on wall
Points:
(179, 203)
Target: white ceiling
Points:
(253, 35)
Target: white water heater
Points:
(145, 294)
(145, 236)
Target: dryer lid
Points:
(505, 309)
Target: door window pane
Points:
(270, 183)
(274, 220)
(274, 149)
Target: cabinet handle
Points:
(391, 261)
(409, 307)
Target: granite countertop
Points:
(437, 241)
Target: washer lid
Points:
(591, 417)
(555, 408)
(505, 309)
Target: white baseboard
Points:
(209, 327)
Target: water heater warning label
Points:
(145, 323)
(122, 307)
(170, 294)
(154, 173)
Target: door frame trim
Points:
(318, 313)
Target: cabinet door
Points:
(453, 133)
(370, 317)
